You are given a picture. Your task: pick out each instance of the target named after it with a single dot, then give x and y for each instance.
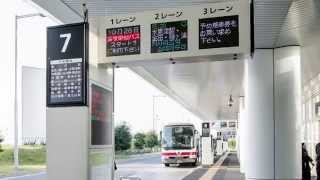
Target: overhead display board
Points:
(169, 36)
(101, 110)
(123, 41)
(219, 32)
(67, 65)
(205, 30)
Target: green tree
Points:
(123, 137)
(151, 139)
(139, 140)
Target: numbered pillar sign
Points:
(205, 129)
(67, 65)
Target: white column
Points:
(288, 108)
(242, 134)
(274, 95)
(260, 150)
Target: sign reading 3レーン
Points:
(198, 32)
(219, 32)
(67, 65)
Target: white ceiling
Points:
(204, 87)
(269, 15)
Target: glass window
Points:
(178, 137)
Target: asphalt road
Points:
(150, 167)
(38, 176)
(145, 168)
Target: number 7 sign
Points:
(67, 65)
(66, 42)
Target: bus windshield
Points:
(177, 137)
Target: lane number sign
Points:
(67, 65)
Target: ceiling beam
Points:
(59, 10)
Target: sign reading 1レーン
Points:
(67, 65)
(169, 36)
(219, 32)
(195, 33)
(123, 41)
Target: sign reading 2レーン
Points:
(195, 33)
(67, 65)
(169, 36)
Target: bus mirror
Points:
(195, 132)
(160, 136)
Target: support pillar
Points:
(274, 110)
(242, 134)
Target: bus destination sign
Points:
(218, 32)
(123, 41)
(169, 36)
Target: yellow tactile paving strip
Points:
(214, 169)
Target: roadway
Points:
(147, 167)
(150, 167)
(37, 176)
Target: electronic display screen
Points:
(101, 109)
(67, 65)
(205, 129)
(123, 41)
(218, 32)
(223, 124)
(169, 36)
(232, 124)
(317, 109)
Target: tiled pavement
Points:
(229, 170)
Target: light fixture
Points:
(109, 70)
(230, 101)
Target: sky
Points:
(31, 52)
(6, 66)
(133, 98)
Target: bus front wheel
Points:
(166, 164)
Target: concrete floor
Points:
(230, 169)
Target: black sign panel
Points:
(317, 109)
(232, 124)
(101, 109)
(169, 36)
(205, 129)
(223, 124)
(219, 32)
(67, 65)
(123, 41)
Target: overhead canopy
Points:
(204, 88)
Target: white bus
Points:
(179, 144)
